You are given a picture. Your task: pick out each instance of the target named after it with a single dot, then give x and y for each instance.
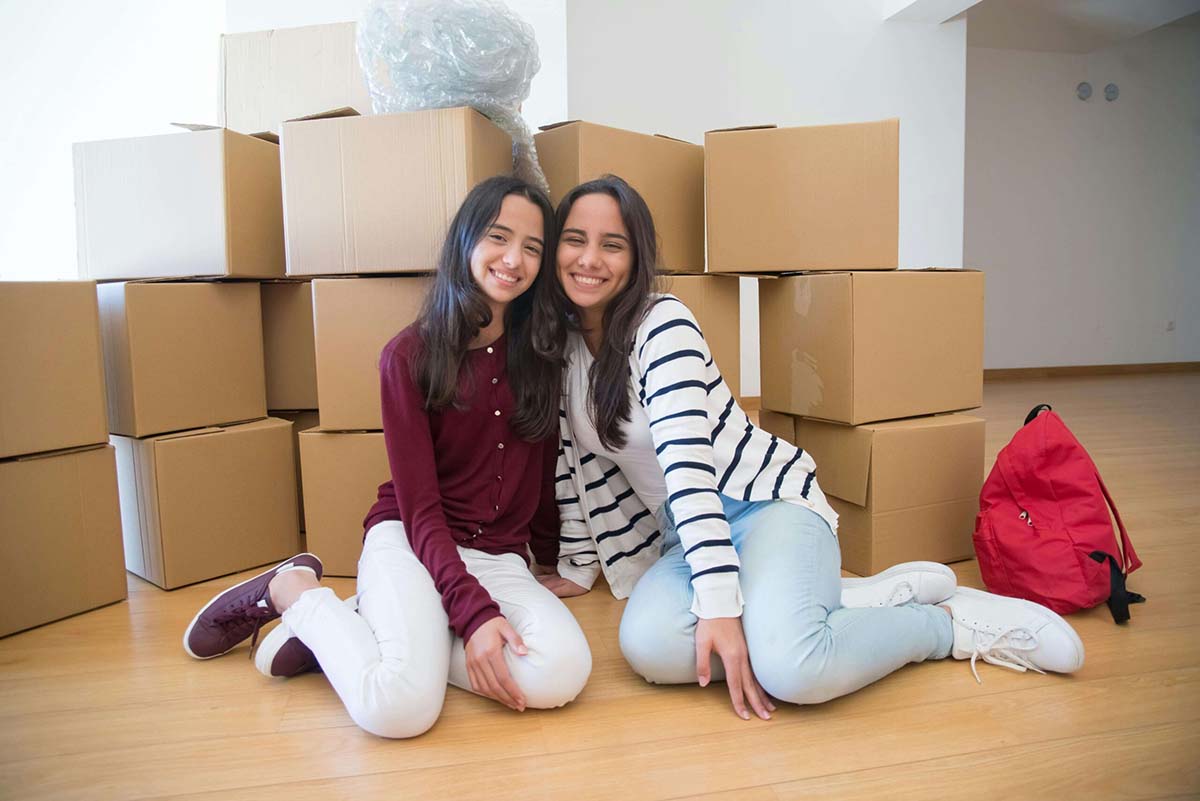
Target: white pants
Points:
(390, 661)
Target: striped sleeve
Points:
(673, 386)
(577, 556)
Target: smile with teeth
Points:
(588, 280)
(505, 278)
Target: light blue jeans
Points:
(805, 647)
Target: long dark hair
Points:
(609, 380)
(456, 309)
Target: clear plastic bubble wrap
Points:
(427, 54)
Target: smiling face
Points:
(595, 254)
(505, 261)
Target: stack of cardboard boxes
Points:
(207, 480)
(60, 549)
(860, 362)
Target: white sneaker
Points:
(923, 582)
(1012, 633)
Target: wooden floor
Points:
(106, 705)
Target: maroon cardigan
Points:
(461, 477)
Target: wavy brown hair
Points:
(456, 309)
(608, 378)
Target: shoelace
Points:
(902, 593)
(1003, 650)
(259, 611)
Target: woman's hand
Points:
(486, 667)
(724, 635)
(563, 588)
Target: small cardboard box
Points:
(715, 301)
(268, 77)
(201, 203)
(861, 347)
(207, 502)
(342, 473)
(780, 425)
(376, 194)
(181, 355)
(668, 173)
(289, 348)
(814, 198)
(61, 549)
(301, 421)
(904, 490)
(355, 318)
(52, 391)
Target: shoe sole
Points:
(188, 632)
(268, 648)
(1079, 650)
(932, 568)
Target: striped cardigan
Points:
(706, 446)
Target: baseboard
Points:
(1017, 373)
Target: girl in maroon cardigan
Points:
(470, 418)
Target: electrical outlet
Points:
(1170, 325)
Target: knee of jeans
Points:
(399, 721)
(561, 674)
(795, 678)
(646, 641)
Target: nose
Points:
(588, 256)
(511, 256)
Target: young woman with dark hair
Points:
(716, 530)
(469, 422)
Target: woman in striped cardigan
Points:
(717, 531)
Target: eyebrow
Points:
(581, 232)
(510, 231)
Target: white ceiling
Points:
(1070, 26)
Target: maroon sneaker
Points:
(238, 612)
(282, 655)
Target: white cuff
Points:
(717, 595)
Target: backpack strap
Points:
(1120, 598)
(1131, 561)
(1041, 407)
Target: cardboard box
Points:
(207, 502)
(181, 355)
(61, 549)
(904, 490)
(861, 347)
(668, 173)
(301, 421)
(201, 203)
(355, 318)
(52, 390)
(814, 198)
(778, 424)
(715, 300)
(342, 474)
(289, 348)
(376, 194)
(268, 77)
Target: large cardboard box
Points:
(268, 77)
(861, 347)
(814, 198)
(376, 194)
(355, 318)
(778, 424)
(904, 490)
(60, 552)
(301, 421)
(342, 473)
(52, 385)
(668, 173)
(715, 300)
(203, 503)
(289, 348)
(181, 355)
(200, 203)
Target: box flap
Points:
(843, 457)
(266, 136)
(762, 127)
(674, 139)
(554, 125)
(31, 457)
(196, 126)
(344, 111)
(191, 432)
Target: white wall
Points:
(681, 67)
(547, 96)
(1086, 215)
(76, 71)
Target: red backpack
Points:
(1043, 532)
